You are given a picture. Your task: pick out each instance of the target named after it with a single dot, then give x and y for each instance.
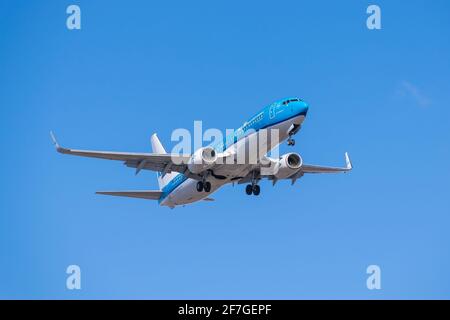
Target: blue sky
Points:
(138, 67)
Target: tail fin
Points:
(157, 147)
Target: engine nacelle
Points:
(287, 165)
(202, 160)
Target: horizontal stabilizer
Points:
(149, 195)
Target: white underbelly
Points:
(187, 192)
(255, 146)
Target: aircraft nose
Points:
(302, 108)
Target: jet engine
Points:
(202, 160)
(287, 165)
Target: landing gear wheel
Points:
(249, 189)
(200, 186)
(291, 142)
(207, 186)
(256, 190)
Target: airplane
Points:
(185, 179)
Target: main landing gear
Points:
(252, 189)
(204, 185)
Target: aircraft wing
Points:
(305, 168)
(147, 161)
(149, 195)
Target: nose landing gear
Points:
(294, 130)
(290, 141)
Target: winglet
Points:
(54, 139)
(55, 142)
(348, 163)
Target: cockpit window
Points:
(291, 100)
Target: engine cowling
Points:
(287, 165)
(202, 160)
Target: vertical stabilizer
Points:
(157, 147)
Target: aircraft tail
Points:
(157, 147)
